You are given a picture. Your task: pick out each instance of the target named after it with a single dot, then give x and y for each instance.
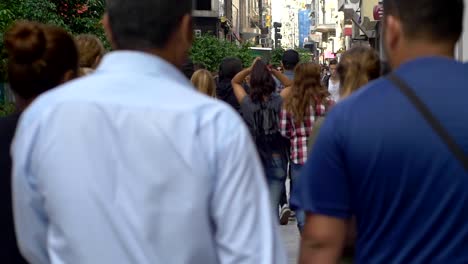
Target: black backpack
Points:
(266, 133)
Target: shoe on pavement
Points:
(284, 215)
(293, 214)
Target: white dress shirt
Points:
(334, 90)
(132, 165)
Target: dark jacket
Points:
(9, 252)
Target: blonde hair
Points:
(90, 49)
(357, 67)
(306, 91)
(204, 82)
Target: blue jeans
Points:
(300, 215)
(275, 170)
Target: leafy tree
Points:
(76, 16)
(276, 56)
(6, 109)
(304, 55)
(210, 51)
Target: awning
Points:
(366, 26)
(329, 55)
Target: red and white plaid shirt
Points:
(299, 134)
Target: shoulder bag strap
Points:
(430, 118)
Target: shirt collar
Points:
(424, 62)
(139, 62)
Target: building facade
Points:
(289, 18)
(206, 16)
(362, 22)
(234, 20)
(304, 26)
(249, 20)
(327, 29)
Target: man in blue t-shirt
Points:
(379, 160)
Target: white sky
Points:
(276, 10)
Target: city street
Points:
(291, 240)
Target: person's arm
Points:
(285, 81)
(237, 81)
(246, 231)
(286, 92)
(324, 195)
(29, 214)
(323, 239)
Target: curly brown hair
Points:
(306, 91)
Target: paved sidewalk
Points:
(291, 239)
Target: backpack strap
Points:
(456, 150)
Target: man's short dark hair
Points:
(145, 24)
(333, 62)
(229, 67)
(290, 59)
(188, 68)
(434, 20)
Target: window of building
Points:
(203, 5)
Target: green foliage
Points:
(76, 16)
(210, 51)
(244, 54)
(6, 109)
(276, 56)
(304, 55)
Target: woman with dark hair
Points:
(260, 111)
(40, 57)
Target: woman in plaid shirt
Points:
(308, 100)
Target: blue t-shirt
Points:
(378, 159)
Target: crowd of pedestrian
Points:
(142, 156)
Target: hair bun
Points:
(25, 42)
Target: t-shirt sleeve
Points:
(323, 184)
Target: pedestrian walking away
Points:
(307, 102)
(130, 164)
(392, 153)
(260, 111)
(40, 57)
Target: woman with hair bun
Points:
(40, 57)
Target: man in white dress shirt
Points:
(132, 165)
